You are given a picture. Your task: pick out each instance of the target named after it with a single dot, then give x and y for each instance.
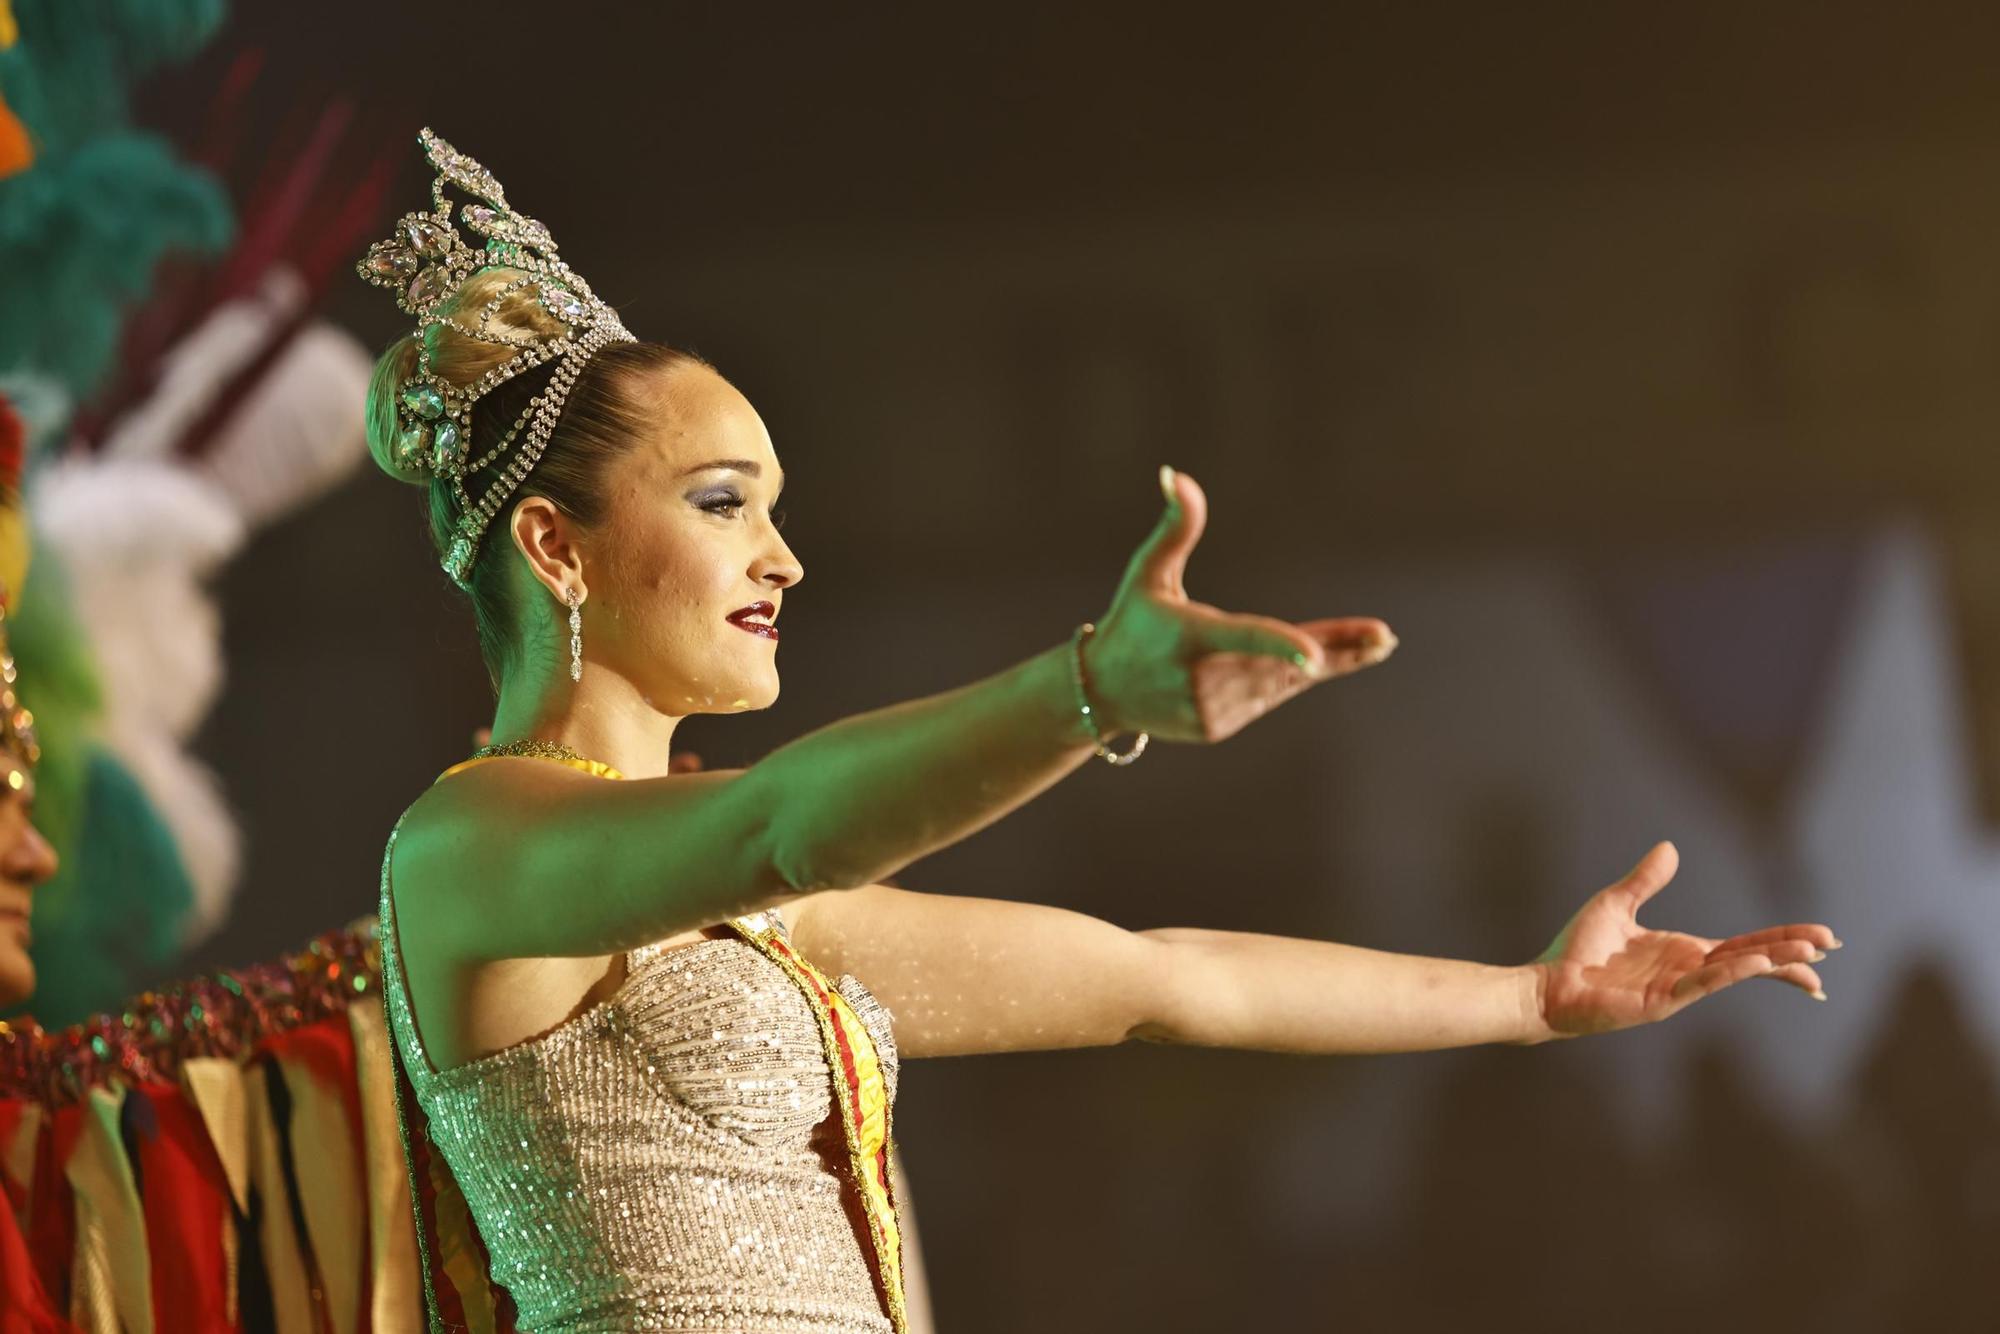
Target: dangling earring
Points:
(575, 633)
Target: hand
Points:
(1187, 671)
(1604, 971)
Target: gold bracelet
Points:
(1105, 752)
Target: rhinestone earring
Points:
(575, 633)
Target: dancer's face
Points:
(26, 860)
(688, 542)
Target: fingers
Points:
(1265, 636)
(1161, 560)
(1800, 976)
(1778, 951)
(1351, 642)
(1817, 934)
(1727, 972)
(1646, 879)
(1713, 977)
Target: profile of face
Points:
(686, 573)
(26, 860)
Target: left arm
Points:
(966, 975)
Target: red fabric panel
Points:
(325, 1048)
(24, 1303)
(52, 1222)
(186, 1200)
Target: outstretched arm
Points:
(517, 859)
(964, 976)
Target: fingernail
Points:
(1167, 484)
(1817, 955)
(1819, 995)
(1836, 944)
(1308, 666)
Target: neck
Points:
(602, 717)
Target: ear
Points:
(547, 538)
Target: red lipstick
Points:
(756, 618)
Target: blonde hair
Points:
(601, 419)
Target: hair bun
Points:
(391, 368)
(518, 320)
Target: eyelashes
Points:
(728, 503)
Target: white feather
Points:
(300, 431)
(138, 539)
(194, 369)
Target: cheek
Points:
(672, 584)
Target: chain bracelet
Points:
(1108, 755)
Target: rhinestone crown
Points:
(424, 263)
(17, 724)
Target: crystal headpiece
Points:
(17, 725)
(425, 262)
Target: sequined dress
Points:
(670, 1159)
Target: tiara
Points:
(425, 262)
(17, 725)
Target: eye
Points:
(777, 518)
(725, 503)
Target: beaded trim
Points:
(224, 1014)
(425, 262)
(531, 748)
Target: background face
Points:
(25, 862)
(1638, 368)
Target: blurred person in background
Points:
(26, 859)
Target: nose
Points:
(29, 859)
(778, 567)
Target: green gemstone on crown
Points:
(444, 446)
(412, 443)
(425, 401)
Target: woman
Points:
(616, 1000)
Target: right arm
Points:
(544, 861)
(579, 866)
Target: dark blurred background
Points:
(1635, 363)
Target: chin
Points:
(17, 978)
(755, 697)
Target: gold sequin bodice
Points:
(666, 1160)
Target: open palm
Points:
(1186, 670)
(1604, 971)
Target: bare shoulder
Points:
(441, 856)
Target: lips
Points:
(756, 618)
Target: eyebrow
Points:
(748, 467)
